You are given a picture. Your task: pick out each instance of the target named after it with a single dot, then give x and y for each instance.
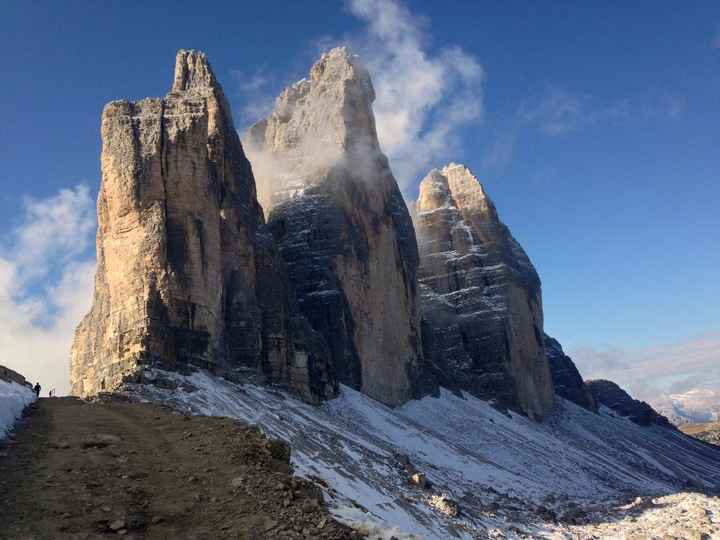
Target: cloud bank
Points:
(653, 372)
(46, 283)
(423, 97)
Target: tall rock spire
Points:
(186, 274)
(482, 307)
(343, 228)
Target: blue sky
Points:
(594, 126)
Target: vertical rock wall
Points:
(179, 247)
(482, 306)
(342, 226)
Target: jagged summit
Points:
(318, 123)
(193, 73)
(343, 228)
(482, 307)
(187, 274)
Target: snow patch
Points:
(14, 398)
(501, 468)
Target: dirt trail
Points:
(101, 470)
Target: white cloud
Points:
(46, 282)
(650, 372)
(422, 97)
(255, 90)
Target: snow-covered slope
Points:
(506, 473)
(14, 398)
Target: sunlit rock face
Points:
(187, 274)
(482, 307)
(566, 378)
(343, 228)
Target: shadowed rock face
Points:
(613, 397)
(482, 307)
(566, 378)
(342, 226)
(8, 375)
(187, 274)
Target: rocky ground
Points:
(82, 470)
(708, 432)
(680, 516)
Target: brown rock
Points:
(186, 275)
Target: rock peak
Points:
(193, 73)
(343, 228)
(482, 304)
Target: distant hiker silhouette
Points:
(37, 389)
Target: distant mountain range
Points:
(694, 406)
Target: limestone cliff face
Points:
(186, 274)
(566, 378)
(342, 226)
(482, 307)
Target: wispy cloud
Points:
(255, 95)
(650, 372)
(423, 96)
(558, 111)
(500, 152)
(46, 280)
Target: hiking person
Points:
(37, 389)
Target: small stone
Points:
(445, 505)
(157, 519)
(100, 440)
(117, 525)
(237, 482)
(419, 480)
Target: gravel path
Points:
(101, 470)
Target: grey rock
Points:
(566, 378)
(343, 228)
(481, 298)
(610, 395)
(8, 375)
